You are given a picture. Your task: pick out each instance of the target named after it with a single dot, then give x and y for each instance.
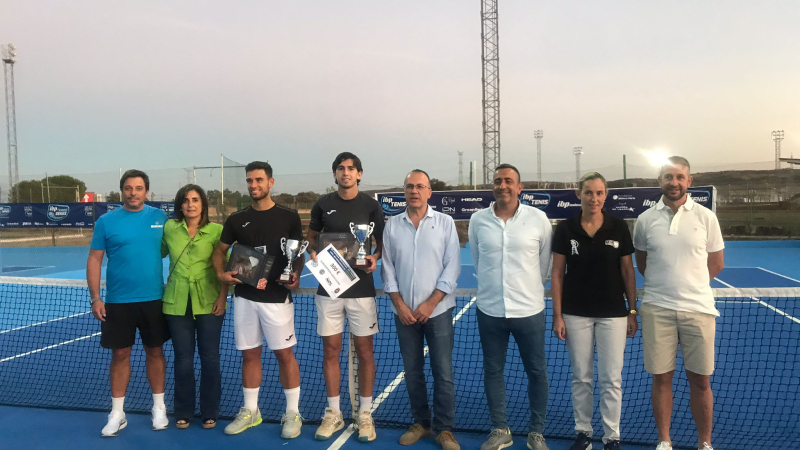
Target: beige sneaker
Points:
(447, 441)
(366, 427)
(331, 423)
(415, 433)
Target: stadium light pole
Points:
(777, 136)
(577, 151)
(9, 56)
(538, 134)
(490, 56)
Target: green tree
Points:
(113, 196)
(439, 185)
(59, 188)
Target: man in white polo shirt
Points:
(679, 251)
(510, 246)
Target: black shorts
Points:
(122, 320)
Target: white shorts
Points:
(362, 313)
(253, 322)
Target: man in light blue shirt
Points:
(131, 239)
(510, 245)
(421, 264)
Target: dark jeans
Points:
(438, 332)
(208, 327)
(528, 332)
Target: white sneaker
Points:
(116, 422)
(366, 427)
(160, 421)
(705, 447)
(664, 445)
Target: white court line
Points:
(46, 321)
(776, 273)
(758, 300)
(49, 347)
(337, 444)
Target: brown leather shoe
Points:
(447, 441)
(415, 433)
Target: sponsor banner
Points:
(625, 203)
(61, 215)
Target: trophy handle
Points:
(371, 227)
(303, 248)
(283, 245)
(353, 228)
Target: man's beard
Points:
(259, 198)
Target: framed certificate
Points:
(332, 272)
(250, 264)
(344, 243)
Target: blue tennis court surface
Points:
(755, 332)
(748, 265)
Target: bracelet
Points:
(94, 299)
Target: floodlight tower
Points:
(538, 134)
(490, 54)
(9, 56)
(460, 168)
(577, 151)
(777, 136)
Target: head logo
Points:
(5, 211)
(536, 199)
(57, 212)
(472, 199)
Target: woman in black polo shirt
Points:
(589, 306)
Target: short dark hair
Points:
(422, 172)
(344, 156)
(256, 165)
(134, 173)
(509, 166)
(181, 196)
(673, 160)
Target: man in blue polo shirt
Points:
(131, 238)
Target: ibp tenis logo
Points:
(536, 199)
(57, 212)
(701, 197)
(393, 204)
(5, 211)
(168, 208)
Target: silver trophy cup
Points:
(292, 249)
(362, 233)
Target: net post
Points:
(352, 374)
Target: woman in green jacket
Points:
(194, 301)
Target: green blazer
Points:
(192, 273)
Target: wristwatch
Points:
(633, 312)
(94, 299)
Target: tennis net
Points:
(50, 357)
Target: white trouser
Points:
(610, 335)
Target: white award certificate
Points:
(332, 271)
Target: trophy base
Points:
(286, 278)
(361, 263)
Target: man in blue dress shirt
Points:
(421, 264)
